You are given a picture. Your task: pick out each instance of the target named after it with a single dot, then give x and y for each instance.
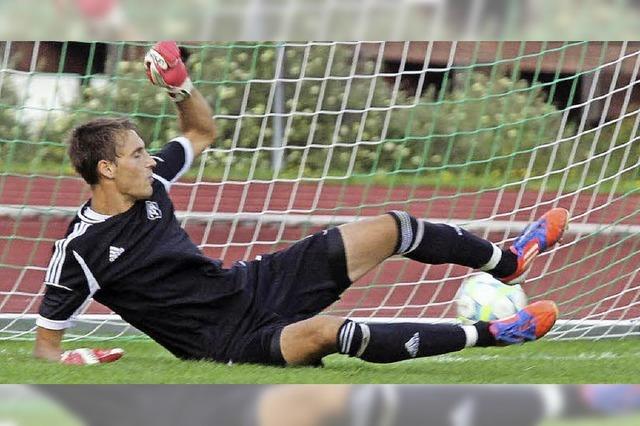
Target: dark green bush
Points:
(335, 125)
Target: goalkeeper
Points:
(126, 250)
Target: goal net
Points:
(485, 135)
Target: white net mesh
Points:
(486, 135)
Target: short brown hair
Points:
(94, 141)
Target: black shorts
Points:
(290, 285)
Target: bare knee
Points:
(306, 342)
(367, 243)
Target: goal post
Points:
(485, 135)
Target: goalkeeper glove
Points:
(87, 356)
(165, 68)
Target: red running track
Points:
(336, 199)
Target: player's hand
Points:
(87, 356)
(165, 68)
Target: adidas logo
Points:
(114, 253)
(412, 345)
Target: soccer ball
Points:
(481, 297)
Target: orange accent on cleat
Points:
(537, 238)
(546, 313)
(530, 323)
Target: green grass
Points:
(540, 362)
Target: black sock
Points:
(485, 338)
(507, 265)
(438, 243)
(385, 343)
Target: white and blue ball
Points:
(481, 297)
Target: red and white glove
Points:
(87, 356)
(165, 68)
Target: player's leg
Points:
(307, 341)
(368, 242)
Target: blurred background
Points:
(320, 20)
(317, 405)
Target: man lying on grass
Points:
(126, 250)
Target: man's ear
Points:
(106, 169)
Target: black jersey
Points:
(143, 266)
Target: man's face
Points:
(134, 167)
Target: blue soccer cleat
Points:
(537, 238)
(529, 324)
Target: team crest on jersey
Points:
(153, 210)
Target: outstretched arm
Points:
(196, 121)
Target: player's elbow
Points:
(208, 132)
(203, 127)
(201, 139)
(209, 128)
